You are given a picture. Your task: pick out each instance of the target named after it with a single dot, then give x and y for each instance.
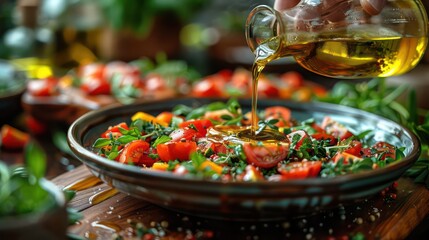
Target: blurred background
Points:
(56, 35)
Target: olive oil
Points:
(361, 58)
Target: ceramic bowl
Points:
(243, 200)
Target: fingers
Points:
(372, 7)
(285, 4)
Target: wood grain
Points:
(380, 217)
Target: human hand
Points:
(372, 7)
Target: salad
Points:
(205, 142)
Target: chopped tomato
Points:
(335, 128)
(183, 134)
(133, 152)
(164, 117)
(267, 155)
(298, 141)
(354, 148)
(293, 79)
(35, 126)
(325, 137)
(43, 87)
(200, 125)
(299, 170)
(241, 79)
(385, 149)
(213, 86)
(176, 150)
(13, 138)
(115, 130)
(283, 114)
(267, 89)
(93, 85)
(346, 157)
(155, 82)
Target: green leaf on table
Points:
(59, 139)
(35, 159)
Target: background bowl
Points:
(243, 200)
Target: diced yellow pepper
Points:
(161, 166)
(149, 118)
(213, 166)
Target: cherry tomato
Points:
(299, 170)
(13, 138)
(385, 149)
(93, 85)
(346, 157)
(176, 150)
(324, 136)
(283, 114)
(267, 89)
(335, 128)
(209, 87)
(35, 126)
(92, 69)
(183, 134)
(298, 141)
(43, 87)
(133, 152)
(155, 82)
(115, 130)
(200, 125)
(354, 148)
(293, 79)
(265, 156)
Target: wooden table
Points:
(395, 215)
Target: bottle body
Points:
(342, 40)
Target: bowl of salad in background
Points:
(243, 200)
(12, 86)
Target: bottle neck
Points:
(263, 25)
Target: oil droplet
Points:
(106, 225)
(83, 184)
(103, 195)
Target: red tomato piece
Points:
(13, 138)
(354, 148)
(265, 156)
(324, 136)
(35, 126)
(267, 89)
(92, 85)
(43, 87)
(115, 130)
(183, 134)
(283, 114)
(299, 170)
(385, 149)
(200, 125)
(209, 87)
(293, 79)
(133, 152)
(303, 135)
(335, 128)
(176, 150)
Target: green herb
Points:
(374, 96)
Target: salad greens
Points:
(376, 97)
